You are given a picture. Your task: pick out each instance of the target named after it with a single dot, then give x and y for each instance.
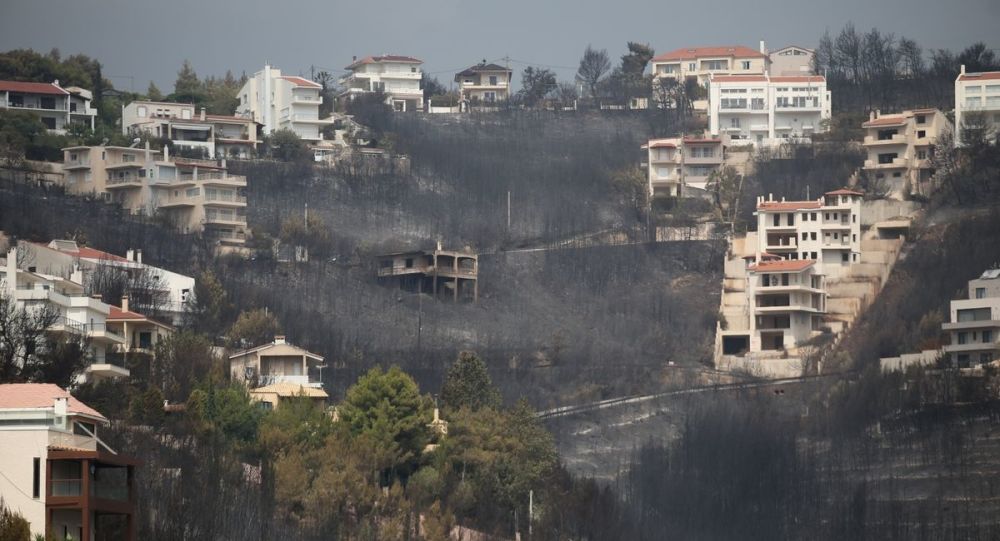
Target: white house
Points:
(483, 84)
(975, 323)
(767, 111)
(900, 147)
(703, 62)
(395, 75)
(677, 162)
(56, 472)
(277, 362)
(279, 101)
(977, 103)
(57, 107)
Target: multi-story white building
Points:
(977, 103)
(827, 230)
(174, 292)
(975, 323)
(483, 84)
(791, 60)
(194, 195)
(787, 299)
(56, 472)
(397, 76)
(677, 162)
(279, 102)
(216, 136)
(702, 62)
(900, 147)
(57, 107)
(768, 111)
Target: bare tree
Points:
(145, 290)
(593, 67)
(22, 336)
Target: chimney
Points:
(437, 415)
(61, 406)
(878, 113)
(439, 246)
(202, 115)
(355, 59)
(166, 153)
(130, 255)
(963, 70)
(125, 303)
(56, 82)
(871, 115)
(763, 47)
(138, 256)
(279, 339)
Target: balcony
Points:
(896, 163)
(836, 224)
(758, 127)
(896, 139)
(179, 201)
(128, 181)
(94, 331)
(972, 346)
(225, 219)
(229, 200)
(73, 165)
(971, 325)
(106, 370)
(307, 100)
(790, 243)
(781, 309)
(123, 164)
(306, 119)
(35, 106)
(703, 160)
(780, 106)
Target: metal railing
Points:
(66, 487)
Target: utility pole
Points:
(531, 510)
(306, 218)
(508, 211)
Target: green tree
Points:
(253, 328)
(187, 87)
(13, 526)
(385, 407)
(287, 146)
(536, 83)
(153, 92)
(468, 384)
(180, 362)
(226, 411)
(211, 306)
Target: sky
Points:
(142, 40)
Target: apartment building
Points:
(791, 60)
(483, 84)
(397, 76)
(788, 301)
(277, 362)
(196, 196)
(900, 147)
(826, 231)
(56, 107)
(56, 472)
(766, 111)
(278, 102)
(977, 104)
(171, 291)
(214, 136)
(974, 324)
(678, 162)
(703, 62)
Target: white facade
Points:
(827, 230)
(279, 101)
(216, 136)
(975, 323)
(277, 362)
(791, 60)
(768, 111)
(397, 76)
(483, 84)
(788, 302)
(674, 163)
(977, 102)
(704, 62)
(900, 147)
(56, 107)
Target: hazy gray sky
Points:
(148, 40)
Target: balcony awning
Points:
(191, 127)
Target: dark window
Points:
(777, 220)
(844, 258)
(36, 485)
(83, 429)
(921, 134)
(50, 123)
(921, 119)
(409, 262)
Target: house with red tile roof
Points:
(57, 472)
(56, 107)
(766, 110)
(285, 102)
(701, 62)
(397, 76)
(977, 103)
(900, 147)
(216, 136)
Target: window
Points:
(81, 428)
(745, 64)
(980, 292)
(734, 122)
(50, 123)
(887, 158)
(921, 119)
(493, 80)
(141, 111)
(814, 255)
(921, 134)
(921, 154)
(692, 66)
(963, 338)
(714, 65)
(844, 258)
(142, 173)
(987, 337)
(777, 220)
(974, 314)
(186, 114)
(812, 235)
(805, 236)
(814, 216)
(36, 480)
(974, 89)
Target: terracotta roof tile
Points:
(32, 88)
(384, 58)
(983, 76)
(844, 191)
(739, 79)
(301, 81)
(286, 390)
(91, 253)
(737, 51)
(788, 205)
(798, 79)
(41, 395)
(887, 120)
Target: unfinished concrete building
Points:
(438, 272)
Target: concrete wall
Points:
(17, 450)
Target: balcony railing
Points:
(226, 198)
(66, 487)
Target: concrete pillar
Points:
(85, 501)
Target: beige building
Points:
(56, 107)
(900, 147)
(455, 273)
(271, 396)
(196, 196)
(395, 75)
(56, 472)
(483, 85)
(702, 62)
(679, 162)
(977, 103)
(277, 362)
(975, 323)
(791, 60)
(141, 333)
(768, 111)
(215, 136)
